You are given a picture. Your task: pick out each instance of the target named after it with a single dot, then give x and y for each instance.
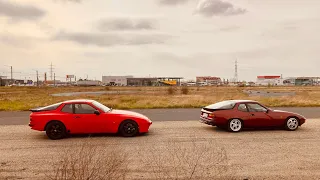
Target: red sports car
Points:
(238, 114)
(86, 117)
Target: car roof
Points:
(78, 101)
(241, 101)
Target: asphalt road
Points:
(171, 146)
(22, 118)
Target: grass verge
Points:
(25, 98)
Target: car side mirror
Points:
(267, 111)
(96, 112)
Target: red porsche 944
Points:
(238, 114)
(86, 117)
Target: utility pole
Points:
(37, 79)
(51, 71)
(236, 71)
(54, 79)
(11, 74)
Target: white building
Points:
(115, 80)
(88, 83)
(269, 80)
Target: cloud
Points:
(20, 12)
(75, 1)
(172, 2)
(122, 24)
(211, 8)
(112, 39)
(24, 42)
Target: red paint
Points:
(271, 118)
(268, 77)
(105, 122)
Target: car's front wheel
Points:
(56, 130)
(128, 128)
(235, 125)
(292, 124)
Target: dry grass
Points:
(89, 162)
(24, 98)
(167, 161)
(200, 160)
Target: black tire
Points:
(235, 125)
(128, 128)
(56, 130)
(221, 127)
(292, 124)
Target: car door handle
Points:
(77, 117)
(252, 114)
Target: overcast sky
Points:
(185, 38)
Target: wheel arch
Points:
(45, 127)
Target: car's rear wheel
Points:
(128, 128)
(235, 125)
(292, 124)
(56, 130)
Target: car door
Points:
(259, 116)
(243, 113)
(85, 120)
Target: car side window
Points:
(253, 107)
(67, 108)
(84, 109)
(242, 107)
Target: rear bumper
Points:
(37, 128)
(207, 121)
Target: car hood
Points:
(287, 112)
(129, 113)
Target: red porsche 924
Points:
(86, 117)
(238, 114)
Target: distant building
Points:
(307, 81)
(208, 80)
(6, 82)
(269, 80)
(3, 80)
(88, 83)
(144, 81)
(140, 81)
(115, 80)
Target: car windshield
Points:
(222, 105)
(101, 106)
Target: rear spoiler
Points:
(36, 109)
(212, 110)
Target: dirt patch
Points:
(251, 154)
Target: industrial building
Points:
(155, 81)
(144, 81)
(287, 81)
(115, 80)
(140, 81)
(88, 83)
(208, 80)
(269, 80)
(307, 81)
(6, 82)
